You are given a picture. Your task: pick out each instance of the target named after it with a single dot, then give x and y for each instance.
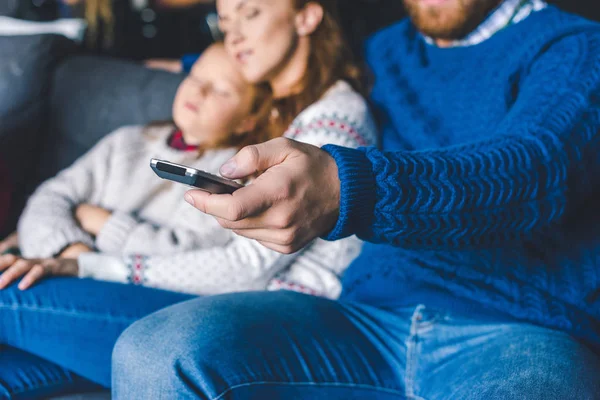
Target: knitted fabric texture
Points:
(487, 188)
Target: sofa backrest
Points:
(26, 67)
(92, 96)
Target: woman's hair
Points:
(260, 111)
(330, 60)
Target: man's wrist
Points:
(357, 191)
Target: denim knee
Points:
(164, 355)
(143, 358)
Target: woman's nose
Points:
(235, 36)
(236, 39)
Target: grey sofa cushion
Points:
(9, 7)
(26, 67)
(26, 64)
(92, 96)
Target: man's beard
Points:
(451, 20)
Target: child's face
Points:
(214, 101)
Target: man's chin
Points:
(445, 29)
(446, 19)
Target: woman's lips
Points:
(243, 56)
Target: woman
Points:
(303, 61)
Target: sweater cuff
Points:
(113, 235)
(357, 191)
(103, 267)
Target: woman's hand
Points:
(174, 66)
(294, 201)
(91, 218)
(11, 242)
(34, 270)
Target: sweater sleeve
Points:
(47, 224)
(125, 233)
(241, 265)
(516, 183)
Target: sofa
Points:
(55, 104)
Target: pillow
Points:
(26, 65)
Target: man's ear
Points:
(247, 125)
(309, 18)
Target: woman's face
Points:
(261, 35)
(214, 101)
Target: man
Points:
(482, 276)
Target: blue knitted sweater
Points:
(487, 190)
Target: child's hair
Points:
(260, 111)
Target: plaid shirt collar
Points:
(507, 13)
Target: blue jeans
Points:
(58, 336)
(285, 345)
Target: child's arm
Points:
(48, 225)
(125, 233)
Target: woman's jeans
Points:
(278, 345)
(291, 346)
(63, 330)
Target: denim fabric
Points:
(64, 329)
(285, 345)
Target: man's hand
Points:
(294, 201)
(91, 218)
(11, 241)
(34, 270)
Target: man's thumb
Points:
(256, 158)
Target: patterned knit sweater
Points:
(487, 192)
(155, 238)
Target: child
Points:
(122, 223)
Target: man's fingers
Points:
(276, 237)
(18, 269)
(257, 158)
(245, 202)
(284, 240)
(280, 249)
(35, 274)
